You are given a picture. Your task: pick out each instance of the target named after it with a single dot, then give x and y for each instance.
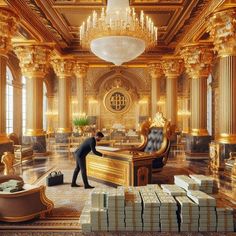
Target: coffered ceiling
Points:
(59, 21)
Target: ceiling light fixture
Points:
(118, 35)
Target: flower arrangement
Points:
(81, 120)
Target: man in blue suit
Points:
(80, 157)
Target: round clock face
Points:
(117, 100)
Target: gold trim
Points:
(199, 132)
(63, 130)
(227, 138)
(34, 132)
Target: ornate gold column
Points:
(34, 62)
(155, 73)
(172, 67)
(222, 28)
(8, 27)
(80, 71)
(63, 67)
(198, 59)
(50, 113)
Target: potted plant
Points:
(80, 122)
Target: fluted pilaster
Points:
(222, 28)
(34, 62)
(198, 59)
(172, 68)
(80, 71)
(8, 27)
(63, 67)
(155, 72)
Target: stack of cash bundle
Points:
(188, 213)
(173, 190)
(98, 219)
(168, 216)
(85, 219)
(151, 210)
(133, 210)
(12, 186)
(206, 183)
(186, 182)
(207, 210)
(116, 209)
(225, 220)
(98, 198)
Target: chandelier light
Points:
(118, 35)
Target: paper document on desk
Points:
(110, 149)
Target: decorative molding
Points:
(172, 66)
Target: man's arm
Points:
(92, 145)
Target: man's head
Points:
(99, 135)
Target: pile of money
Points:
(12, 186)
(151, 210)
(188, 214)
(225, 220)
(186, 182)
(207, 210)
(206, 183)
(98, 198)
(116, 209)
(168, 212)
(98, 219)
(133, 210)
(85, 220)
(173, 190)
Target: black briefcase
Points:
(54, 178)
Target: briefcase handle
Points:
(53, 173)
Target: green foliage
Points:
(82, 121)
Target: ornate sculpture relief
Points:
(222, 28)
(34, 58)
(172, 66)
(63, 66)
(155, 70)
(8, 27)
(198, 59)
(80, 70)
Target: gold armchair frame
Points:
(20, 150)
(159, 121)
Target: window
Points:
(23, 80)
(9, 101)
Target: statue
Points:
(8, 161)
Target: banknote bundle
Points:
(225, 221)
(173, 190)
(168, 214)
(98, 198)
(12, 186)
(188, 214)
(206, 183)
(151, 210)
(85, 219)
(186, 182)
(133, 210)
(116, 209)
(207, 210)
(98, 219)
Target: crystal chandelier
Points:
(118, 35)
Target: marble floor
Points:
(34, 172)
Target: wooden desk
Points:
(121, 167)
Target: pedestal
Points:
(219, 152)
(197, 145)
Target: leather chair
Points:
(21, 151)
(155, 136)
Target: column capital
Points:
(222, 28)
(154, 70)
(63, 66)
(198, 59)
(172, 66)
(80, 69)
(34, 58)
(8, 27)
